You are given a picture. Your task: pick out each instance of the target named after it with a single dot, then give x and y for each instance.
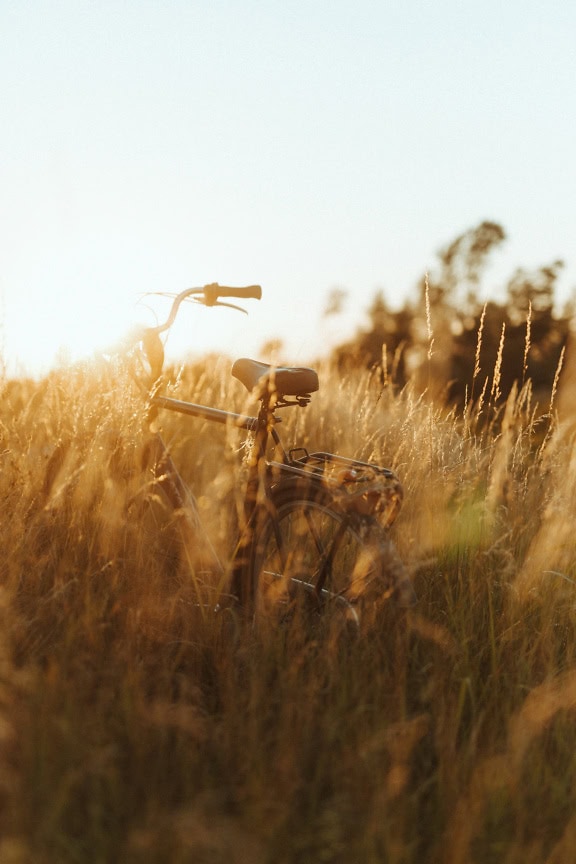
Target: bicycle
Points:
(314, 526)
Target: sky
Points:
(304, 145)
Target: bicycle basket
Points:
(361, 487)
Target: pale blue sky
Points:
(304, 145)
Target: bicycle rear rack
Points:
(325, 464)
(358, 487)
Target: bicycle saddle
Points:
(284, 380)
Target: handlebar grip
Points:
(214, 291)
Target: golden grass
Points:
(138, 726)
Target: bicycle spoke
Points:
(308, 548)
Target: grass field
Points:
(139, 727)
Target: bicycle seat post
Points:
(265, 422)
(241, 585)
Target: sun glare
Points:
(101, 332)
(33, 344)
(36, 340)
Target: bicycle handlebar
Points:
(209, 295)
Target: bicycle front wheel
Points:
(308, 553)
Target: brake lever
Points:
(202, 302)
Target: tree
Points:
(380, 346)
(461, 264)
(436, 343)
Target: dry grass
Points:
(138, 726)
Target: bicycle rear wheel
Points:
(310, 554)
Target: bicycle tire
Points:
(307, 552)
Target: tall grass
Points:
(138, 726)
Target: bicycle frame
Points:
(263, 429)
(262, 473)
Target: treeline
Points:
(455, 345)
